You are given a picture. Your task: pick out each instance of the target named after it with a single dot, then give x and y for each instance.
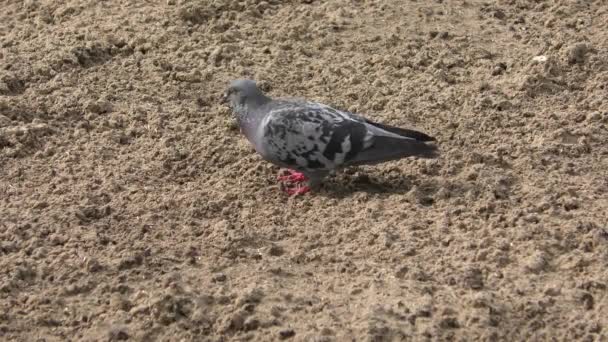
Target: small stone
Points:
(499, 14)
(449, 323)
(275, 250)
(216, 56)
(118, 334)
(539, 59)
(402, 272)
(118, 302)
(130, 262)
(218, 278)
(143, 309)
(537, 262)
(235, 322)
(251, 323)
(483, 86)
(531, 218)
(99, 107)
(251, 296)
(93, 265)
(276, 310)
(473, 278)
(552, 291)
(503, 105)
(192, 77)
(499, 69)
(595, 116)
(586, 299)
(286, 333)
(577, 53)
(4, 121)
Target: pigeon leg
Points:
(292, 176)
(297, 190)
(292, 182)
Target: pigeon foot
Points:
(291, 182)
(292, 176)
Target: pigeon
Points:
(311, 139)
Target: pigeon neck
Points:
(248, 127)
(254, 102)
(249, 115)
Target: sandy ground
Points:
(132, 209)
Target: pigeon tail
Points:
(408, 133)
(386, 149)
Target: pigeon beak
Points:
(224, 98)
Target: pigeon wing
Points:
(308, 136)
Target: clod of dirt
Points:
(234, 322)
(168, 308)
(499, 69)
(449, 323)
(93, 265)
(539, 59)
(5, 142)
(118, 334)
(4, 121)
(552, 291)
(537, 262)
(99, 107)
(473, 278)
(130, 262)
(253, 295)
(194, 76)
(286, 333)
(576, 53)
(499, 14)
(195, 14)
(586, 299)
(91, 54)
(275, 250)
(251, 323)
(90, 213)
(218, 278)
(118, 302)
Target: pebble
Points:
(99, 107)
(218, 278)
(536, 262)
(473, 278)
(577, 52)
(539, 59)
(286, 333)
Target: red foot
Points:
(293, 177)
(292, 182)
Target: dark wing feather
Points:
(309, 136)
(408, 133)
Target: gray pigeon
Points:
(311, 139)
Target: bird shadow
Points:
(347, 185)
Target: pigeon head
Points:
(243, 96)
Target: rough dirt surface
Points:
(131, 208)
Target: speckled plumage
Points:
(314, 138)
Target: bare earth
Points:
(132, 208)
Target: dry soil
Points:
(132, 209)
